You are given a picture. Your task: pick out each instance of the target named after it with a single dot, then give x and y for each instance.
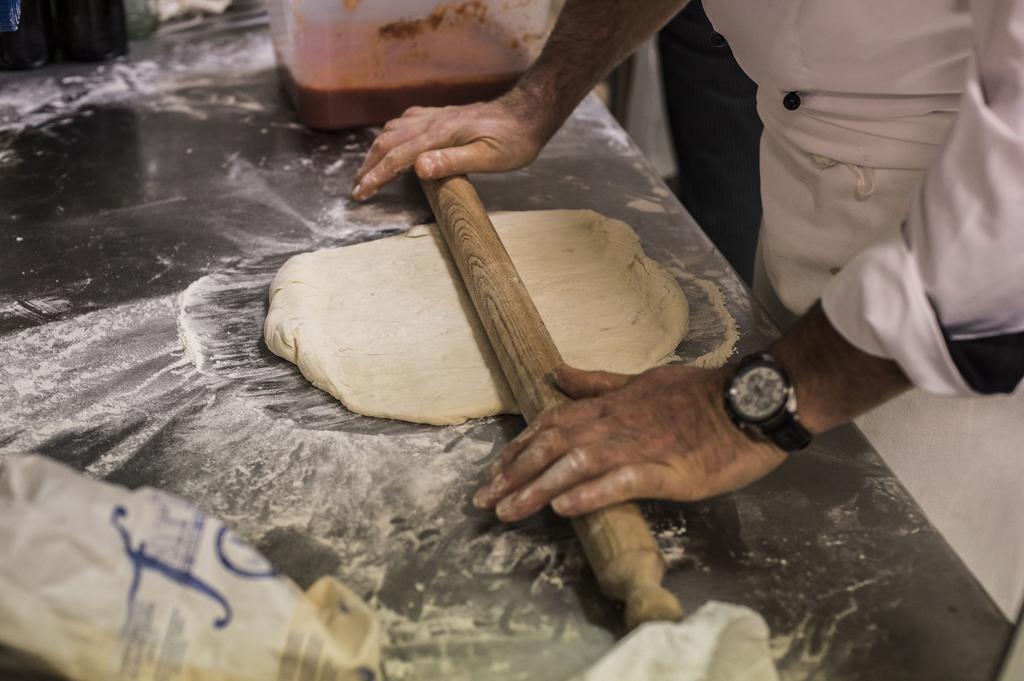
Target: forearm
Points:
(834, 381)
(590, 38)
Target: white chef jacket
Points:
(945, 298)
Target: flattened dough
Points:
(388, 328)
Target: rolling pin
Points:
(616, 541)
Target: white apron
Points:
(960, 458)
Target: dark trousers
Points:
(715, 131)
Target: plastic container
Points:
(347, 63)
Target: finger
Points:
(542, 452)
(577, 466)
(417, 111)
(388, 168)
(635, 481)
(564, 415)
(475, 157)
(385, 143)
(577, 383)
(539, 452)
(410, 115)
(545, 449)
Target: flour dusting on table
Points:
(174, 82)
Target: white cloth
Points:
(879, 83)
(645, 110)
(719, 642)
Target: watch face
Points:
(758, 392)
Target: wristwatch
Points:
(761, 398)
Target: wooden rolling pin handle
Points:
(616, 540)
(627, 563)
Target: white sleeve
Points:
(945, 299)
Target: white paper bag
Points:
(102, 583)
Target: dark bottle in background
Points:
(32, 44)
(91, 30)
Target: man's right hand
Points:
(488, 137)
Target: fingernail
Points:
(487, 494)
(357, 192)
(505, 507)
(481, 497)
(426, 167)
(560, 505)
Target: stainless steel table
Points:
(146, 205)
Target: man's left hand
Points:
(662, 434)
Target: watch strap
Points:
(787, 433)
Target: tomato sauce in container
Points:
(347, 63)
